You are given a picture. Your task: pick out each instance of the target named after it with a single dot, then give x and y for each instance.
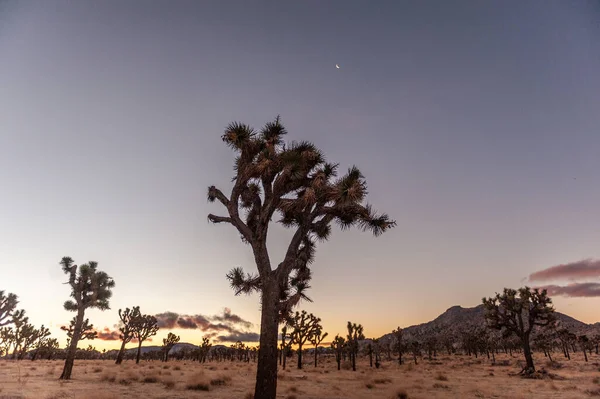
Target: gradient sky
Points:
(477, 125)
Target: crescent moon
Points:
(337, 66)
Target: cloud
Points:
(227, 316)
(239, 336)
(228, 324)
(587, 268)
(108, 335)
(574, 290)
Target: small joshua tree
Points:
(303, 327)
(21, 329)
(144, 327)
(8, 303)
(316, 338)
(285, 345)
(355, 334)
(169, 343)
(90, 288)
(338, 345)
(204, 349)
(517, 312)
(127, 318)
(296, 182)
(399, 345)
(40, 338)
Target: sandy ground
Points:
(446, 377)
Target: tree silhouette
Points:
(168, 344)
(86, 331)
(22, 328)
(295, 181)
(338, 345)
(144, 327)
(7, 338)
(285, 346)
(8, 303)
(204, 349)
(33, 338)
(517, 312)
(127, 318)
(48, 348)
(399, 345)
(90, 288)
(316, 338)
(355, 334)
(303, 327)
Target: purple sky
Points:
(477, 125)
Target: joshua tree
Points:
(316, 338)
(7, 338)
(126, 325)
(204, 349)
(48, 348)
(90, 288)
(338, 345)
(285, 346)
(355, 333)
(168, 344)
(21, 329)
(144, 327)
(415, 348)
(8, 303)
(585, 344)
(399, 344)
(295, 181)
(86, 331)
(377, 351)
(303, 327)
(34, 339)
(517, 312)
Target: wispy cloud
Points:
(108, 335)
(583, 269)
(239, 336)
(574, 290)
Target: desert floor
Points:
(444, 377)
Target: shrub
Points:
(150, 379)
(176, 368)
(441, 386)
(168, 383)
(109, 376)
(442, 377)
(198, 382)
(369, 385)
(401, 394)
(220, 380)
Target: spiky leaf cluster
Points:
(90, 288)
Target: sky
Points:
(475, 123)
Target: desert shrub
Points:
(169, 383)
(97, 370)
(382, 380)
(294, 389)
(369, 385)
(166, 367)
(198, 382)
(249, 395)
(437, 385)
(33, 368)
(124, 381)
(177, 368)
(291, 397)
(150, 379)
(108, 376)
(554, 365)
(58, 395)
(596, 380)
(401, 394)
(346, 366)
(220, 380)
(442, 377)
(593, 392)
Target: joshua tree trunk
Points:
(300, 356)
(285, 353)
(338, 360)
(266, 375)
(70, 359)
(316, 354)
(139, 352)
(585, 355)
(527, 353)
(549, 356)
(121, 353)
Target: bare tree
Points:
(517, 312)
(90, 288)
(303, 327)
(295, 181)
(127, 318)
(144, 327)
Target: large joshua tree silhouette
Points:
(90, 288)
(8, 303)
(296, 182)
(517, 312)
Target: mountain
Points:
(456, 317)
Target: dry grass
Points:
(455, 376)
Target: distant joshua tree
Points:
(90, 288)
(285, 346)
(47, 349)
(316, 338)
(517, 312)
(34, 339)
(399, 344)
(21, 330)
(145, 326)
(204, 349)
(128, 318)
(7, 338)
(295, 181)
(8, 303)
(338, 345)
(168, 344)
(355, 334)
(303, 327)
